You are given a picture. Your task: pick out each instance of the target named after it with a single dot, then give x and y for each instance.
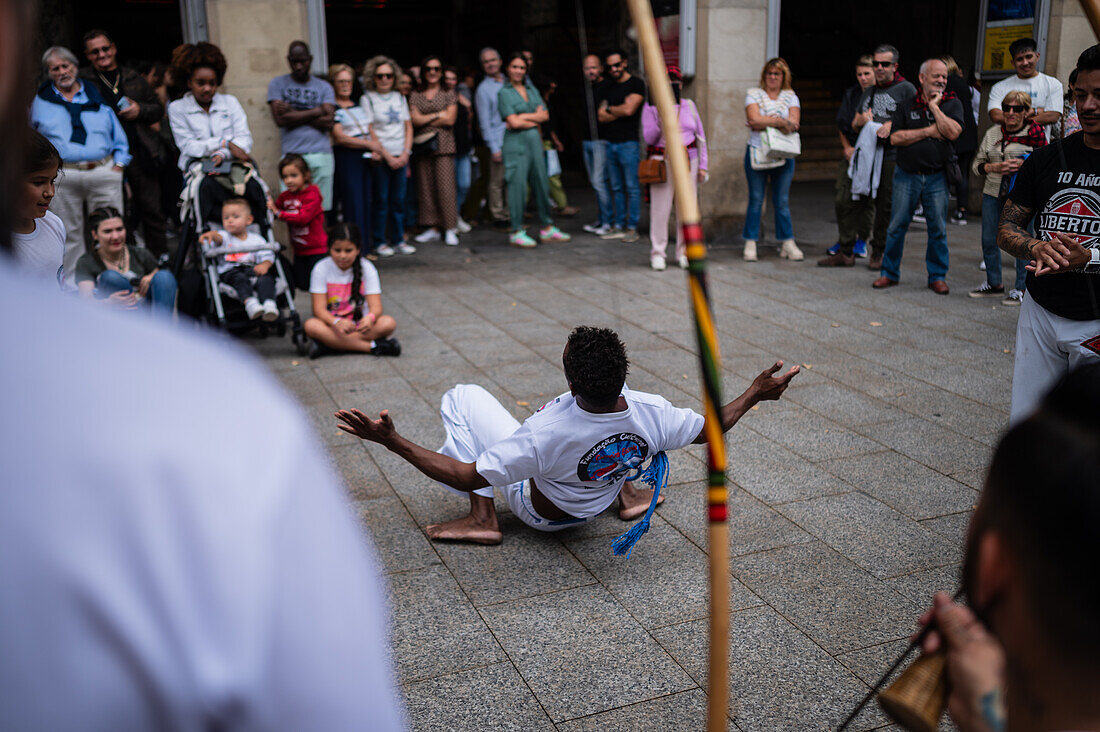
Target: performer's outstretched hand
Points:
(767, 387)
(356, 423)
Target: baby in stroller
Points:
(247, 272)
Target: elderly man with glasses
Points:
(83, 127)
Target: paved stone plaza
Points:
(849, 499)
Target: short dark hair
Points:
(1022, 45)
(615, 52)
(298, 162)
(298, 44)
(887, 48)
(40, 153)
(595, 364)
(1047, 510)
(96, 33)
(1089, 60)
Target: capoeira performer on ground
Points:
(569, 460)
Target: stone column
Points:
(1069, 35)
(731, 49)
(254, 36)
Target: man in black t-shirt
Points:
(595, 149)
(922, 130)
(1058, 185)
(620, 114)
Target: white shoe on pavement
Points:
(427, 235)
(384, 251)
(789, 250)
(463, 227)
(657, 262)
(252, 308)
(406, 248)
(750, 251)
(451, 238)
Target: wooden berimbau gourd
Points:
(917, 699)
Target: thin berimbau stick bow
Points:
(687, 210)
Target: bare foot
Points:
(468, 529)
(633, 502)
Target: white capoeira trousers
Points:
(475, 421)
(1048, 347)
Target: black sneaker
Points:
(386, 347)
(959, 218)
(987, 290)
(317, 349)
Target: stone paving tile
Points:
(686, 710)
(490, 697)
(870, 533)
(832, 600)
(813, 437)
(663, 581)
(779, 679)
(776, 475)
(930, 444)
(458, 639)
(527, 563)
(905, 485)
(581, 653)
(923, 584)
(398, 543)
(359, 472)
(753, 526)
(841, 403)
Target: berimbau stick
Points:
(687, 211)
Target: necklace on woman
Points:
(120, 264)
(118, 80)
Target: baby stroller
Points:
(209, 298)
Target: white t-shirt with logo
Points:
(335, 284)
(1045, 92)
(388, 114)
(580, 459)
(41, 252)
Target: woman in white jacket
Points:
(212, 127)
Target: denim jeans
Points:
(595, 162)
(626, 192)
(781, 199)
(388, 186)
(353, 184)
(160, 297)
(463, 172)
(910, 189)
(991, 253)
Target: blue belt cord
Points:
(656, 476)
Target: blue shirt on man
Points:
(303, 139)
(492, 126)
(105, 135)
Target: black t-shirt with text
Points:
(883, 101)
(623, 129)
(930, 154)
(1060, 182)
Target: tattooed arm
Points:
(1012, 234)
(1063, 253)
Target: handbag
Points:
(760, 160)
(652, 170)
(426, 143)
(781, 144)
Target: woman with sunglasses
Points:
(391, 128)
(354, 150)
(1000, 155)
(434, 111)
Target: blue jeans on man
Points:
(595, 162)
(781, 194)
(626, 192)
(388, 187)
(910, 189)
(991, 253)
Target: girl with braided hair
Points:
(347, 301)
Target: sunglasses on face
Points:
(883, 64)
(433, 68)
(618, 65)
(383, 76)
(1018, 108)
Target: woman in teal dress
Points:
(522, 109)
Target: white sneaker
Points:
(451, 238)
(271, 311)
(1014, 297)
(982, 266)
(463, 227)
(253, 308)
(593, 228)
(406, 248)
(427, 235)
(789, 250)
(683, 262)
(657, 262)
(750, 251)
(384, 251)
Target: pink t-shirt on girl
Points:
(335, 284)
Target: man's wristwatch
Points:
(1093, 265)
